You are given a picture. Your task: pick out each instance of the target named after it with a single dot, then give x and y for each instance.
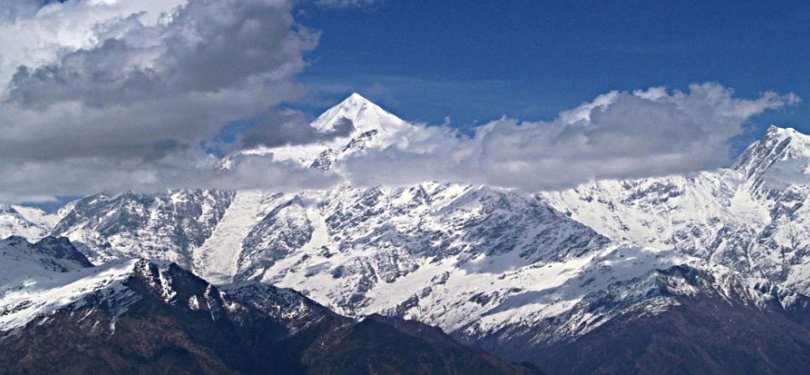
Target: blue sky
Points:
(475, 61)
(97, 103)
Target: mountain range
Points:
(60, 314)
(700, 273)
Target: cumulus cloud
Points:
(127, 91)
(290, 128)
(116, 95)
(32, 34)
(617, 135)
(154, 87)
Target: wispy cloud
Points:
(345, 3)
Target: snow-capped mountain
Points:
(358, 125)
(351, 248)
(165, 226)
(31, 223)
(59, 314)
(517, 273)
(43, 278)
(706, 332)
(23, 261)
(752, 217)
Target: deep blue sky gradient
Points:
(475, 61)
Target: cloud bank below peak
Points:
(636, 134)
(117, 95)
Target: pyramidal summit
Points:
(375, 187)
(545, 278)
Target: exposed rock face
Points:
(140, 317)
(165, 226)
(529, 276)
(752, 218)
(689, 323)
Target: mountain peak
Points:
(779, 145)
(354, 124)
(363, 114)
(355, 97)
(356, 100)
(28, 222)
(21, 260)
(775, 132)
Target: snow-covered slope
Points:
(31, 223)
(753, 217)
(66, 316)
(21, 260)
(165, 226)
(39, 278)
(489, 265)
(370, 127)
(345, 247)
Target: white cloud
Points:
(40, 181)
(109, 95)
(617, 135)
(33, 36)
(114, 95)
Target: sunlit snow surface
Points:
(28, 222)
(473, 260)
(753, 218)
(32, 286)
